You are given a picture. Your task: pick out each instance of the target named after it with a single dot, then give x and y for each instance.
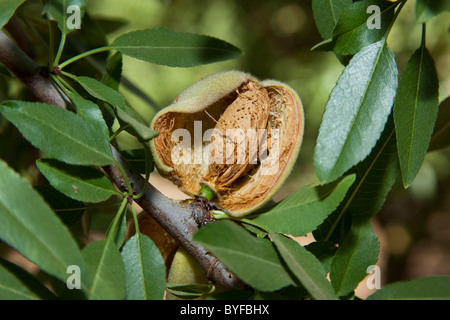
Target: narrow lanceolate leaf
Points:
(427, 9)
(105, 268)
(441, 134)
(81, 183)
(90, 112)
(67, 13)
(358, 251)
(304, 266)
(105, 93)
(172, 48)
(326, 14)
(375, 176)
(302, 211)
(7, 9)
(29, 225)
(356, 112)
(255, 261)
(59, 133)
(18, 284)
(415, 112)
(360, 24)
(429, 288)
(145, 271)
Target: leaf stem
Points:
(424, 35)
(60, 50)
(112, 230)
(84, 54)
(125, 177)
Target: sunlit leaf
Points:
(356, 112)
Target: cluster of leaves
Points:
(76, 143)
(373, 130)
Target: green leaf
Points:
(356, 111)
(243, 254)
(59, 133)
(142, 132)
(172, 48)
(7, 9)
(29, 225)
(415, 112)
(106, 271)
(145, 271)
(304, 266)
(136, 157)
(302, 211)
(18, 284)
(65, 12)
(68, 210)
(427, 9)
(441, 133)
(326, 14)
(113, 71)
(190, 291)
(375, 176)
(429, 288)
(358, 251)
(90, 112)
(81, 183)
(105, 93)
(352, 32)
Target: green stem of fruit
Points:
(206, 192)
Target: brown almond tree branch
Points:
(177, 219)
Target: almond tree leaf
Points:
(18, 284)
(68, 210)
(415, 112)
(59, 133)
(106, 270)
(358, 251)
(81, 183)
(304, 266)
(427, 9)
(326, 14)
(176, 49)
(375, 177)
(29, 225)
(64, 10)
(441, 133)
(91, 112)
(302, 211)
(243, 254)
(356, 112)
(145, 271)
(352, 31)
(428, 288)
(105, 93)
(7, 9)
(142, 132)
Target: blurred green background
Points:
(276, 38)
